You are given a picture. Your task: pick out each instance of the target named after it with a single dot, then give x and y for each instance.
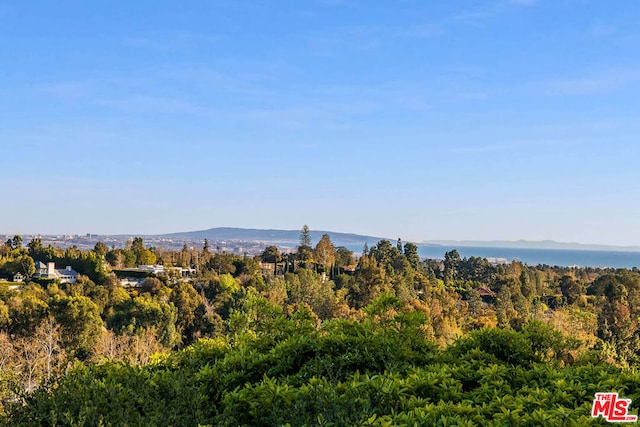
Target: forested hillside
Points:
(310, 337)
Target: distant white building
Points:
(160, 270)
(49, 271)
(131, 282)
(138, 274)
(155, 268)
(184, 273)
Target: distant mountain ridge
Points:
(292, 238)
(270, 236)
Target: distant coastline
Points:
(536, 256)
(339, 238)
(529, 244)
(253, 241)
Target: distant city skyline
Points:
(463, 120)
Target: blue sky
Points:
(483, 119)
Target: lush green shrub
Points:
(373, 372)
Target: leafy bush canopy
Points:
(377, 371)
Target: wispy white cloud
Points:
(338, 107)
(593, 84)
(267, 96)
(484, 148)
(210, 79)
(477, 95)
(601, 30)
(522, 2)
(89, 87)
(421, 31)
(144, 43)
(70, 90)
(171, 41)
(154, 105)
(369, 37)
(182, 90)
(490, 10)
(336, 2)
(261, 97)
(516, 145)
(372, 37)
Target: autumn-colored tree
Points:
(370, 281)
(325, 252)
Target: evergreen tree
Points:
(451, 263)
(305, 236)
(15, 243)
(411, 252)
(100, 248)
(305, 252)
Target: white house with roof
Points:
(155, 268)
(49, 271)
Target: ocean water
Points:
(552, 257)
